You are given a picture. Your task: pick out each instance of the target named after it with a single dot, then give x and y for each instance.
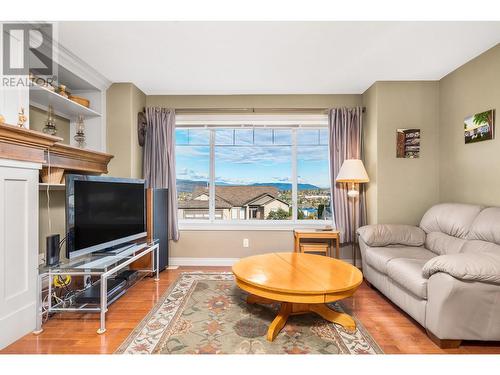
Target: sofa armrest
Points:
(483, 267)
(378, 235)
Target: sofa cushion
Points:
(476, 246)
(453, 219)
(379, 257)
(391, 234)
(466, 266)
(442, 243)
(408, 274)
(486, 226)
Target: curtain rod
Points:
(253, 110)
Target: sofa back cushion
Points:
(478, 246)
(441, 243)
(453, 219)
(486, 226)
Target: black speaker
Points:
(159, 225)
(52, 250)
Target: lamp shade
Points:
(352, 170)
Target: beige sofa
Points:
(445, 273)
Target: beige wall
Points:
(470, 173)
(57, 215)
(402, 189)
(253, 101)
(124, 101)
(370, 147)
(228, 244)
(37, 122)
(138, 104)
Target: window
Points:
(192, 153)
(313, 175)
(253, 174)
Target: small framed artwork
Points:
(479, 127)
(408, 143)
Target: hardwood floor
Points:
(393, 330)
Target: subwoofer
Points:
(52, 250)
(157, 222)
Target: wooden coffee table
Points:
(303, 283)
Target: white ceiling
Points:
(274, 57)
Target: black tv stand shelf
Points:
(113, 280)
(115, 289)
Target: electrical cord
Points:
(48, 193)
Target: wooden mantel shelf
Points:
(78, 159)
(29, 145)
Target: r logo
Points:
(27, 47)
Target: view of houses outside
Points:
(253, 174)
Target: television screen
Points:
(103, 212)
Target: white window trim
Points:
(251, 225)
(248, 120)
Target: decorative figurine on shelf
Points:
(21, 118)
(80, 132)
(63, 92)
(50, 123)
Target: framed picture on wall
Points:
(479, 127)
(408, 143)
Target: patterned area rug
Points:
(206, 313)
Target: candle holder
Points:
(80, 132)
(21, 118)
(50, 123)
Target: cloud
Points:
(191, 174)
(234, 181)
(265, 156)
(193, 151)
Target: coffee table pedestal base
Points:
(290, 308)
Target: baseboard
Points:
(17, 324)
(187, 261)
(214, 262)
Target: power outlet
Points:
(246, 243)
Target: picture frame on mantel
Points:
(479, 127)
(408, 143)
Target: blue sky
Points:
(268, 159)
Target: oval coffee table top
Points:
(298, 273)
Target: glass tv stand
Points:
(99, 268)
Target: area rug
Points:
(206, 313)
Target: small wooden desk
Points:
(329, 235)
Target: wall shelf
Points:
(42, 97)
(29, 145)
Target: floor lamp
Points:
(353, 172)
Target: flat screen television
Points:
(103, 213)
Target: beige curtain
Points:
(346, 128)
(159, 160)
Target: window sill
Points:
(253, 226)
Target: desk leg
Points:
(337, 247)
(104, 304)
(39, 307)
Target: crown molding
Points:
(79, 67)
(75, 64)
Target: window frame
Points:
(293, 122)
